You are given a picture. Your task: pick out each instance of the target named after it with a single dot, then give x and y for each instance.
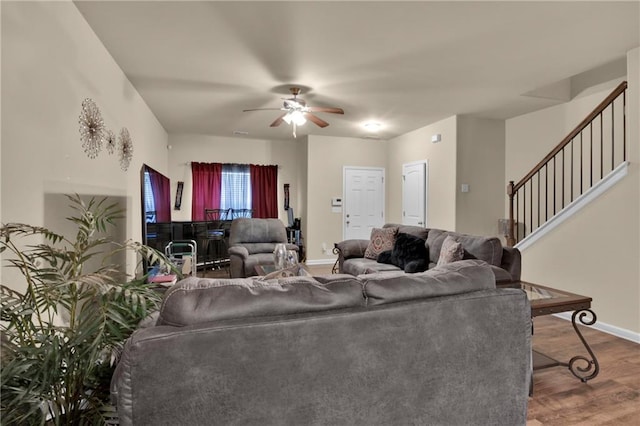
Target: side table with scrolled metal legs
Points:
(545, 301)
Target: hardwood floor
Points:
(559, 398)
(611, 398)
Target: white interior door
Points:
(414, 194)
(363, 201)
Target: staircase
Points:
(589, 160)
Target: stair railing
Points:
(579, 161)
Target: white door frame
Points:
(426, 188)
(344, 193)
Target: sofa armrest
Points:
(352, 248)
(348, 249)
(239, 251)
(512, 262)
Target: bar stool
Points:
(214, 241)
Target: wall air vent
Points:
(240, 133)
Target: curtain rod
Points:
(188, 163)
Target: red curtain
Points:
(264, 191)
(207, 184)
(161, 189)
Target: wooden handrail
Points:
(579, 128)
(513, 189)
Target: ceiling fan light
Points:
(297, 117)
(287, 118)
(372, 126)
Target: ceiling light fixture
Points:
(372, 126)
(295, 116)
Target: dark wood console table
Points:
(545, 301)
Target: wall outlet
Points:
(324, 248)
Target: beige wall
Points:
(596, 251)
(441, 158)
(326, 158)
(288, 155)
(471, 152)
(480, 164)
(51, 62)
(633, 78)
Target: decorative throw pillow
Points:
(451, 251)
(382, 239)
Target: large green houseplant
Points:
(61, 335)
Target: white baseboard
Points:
(623, 333)
(320, 261)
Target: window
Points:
(236, 187)
(149, 204)
(247, 187)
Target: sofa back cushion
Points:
(488, 249)
(453, 278)
(199, 300)
(260, 233)
(417, 231)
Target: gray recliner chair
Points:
(251, 243)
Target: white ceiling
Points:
(406, 64)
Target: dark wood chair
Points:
(214, 240)
(236, 213)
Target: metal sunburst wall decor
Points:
(92, 130)
(111, 142)
(125, 148)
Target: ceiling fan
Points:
(297, 112)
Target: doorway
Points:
(363, 204)
(414, 193)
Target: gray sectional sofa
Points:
(441, 347)
(504, 261)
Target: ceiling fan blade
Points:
(316, 120)
(278, 121)
(264, 109)
(326, 109)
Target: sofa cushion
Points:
(254, 248)
(409, 253)
(200, 300)
(417, 231)
(453, 278)
(451, 251)
(360, 265)
(488, 249)
(382, 239)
